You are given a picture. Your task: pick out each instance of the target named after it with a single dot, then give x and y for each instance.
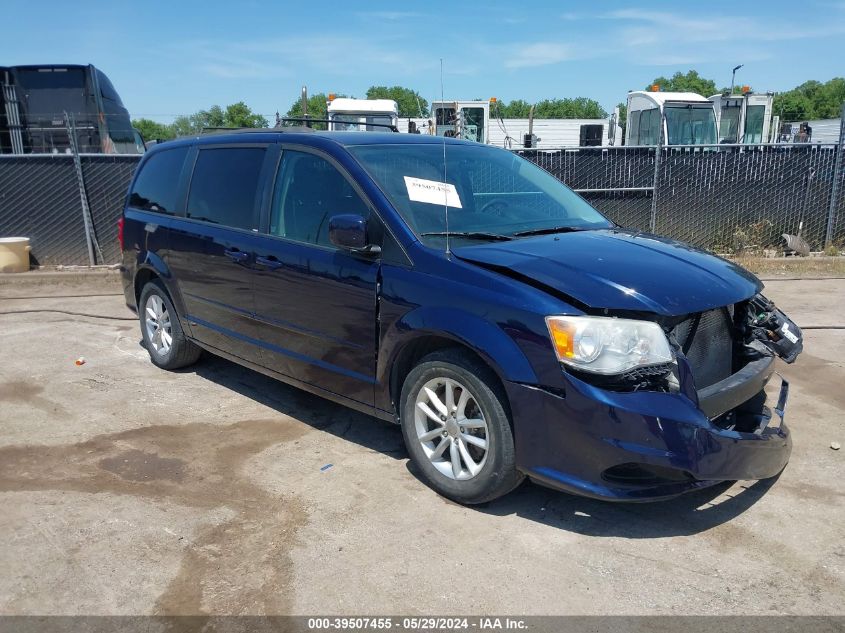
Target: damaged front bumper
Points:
(646, 445)
(642, 446)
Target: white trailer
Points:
(471, 120)
(670, 118)
(361, 114)
(548, 133)
(743, 118)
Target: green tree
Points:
(213, 117)
(183, 126)
(812, 100)
(577, 108)
(240, 115)
(516, 109)
(237, 115)
(410, 103)
(830, 99)
(316, 109)
(689, 82)
(153, 131)
(623, 116)
(793, 106)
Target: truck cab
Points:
(366, 115)
(468, 120)
(743, 118)
(669, 118)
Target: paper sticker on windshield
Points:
(432, 192)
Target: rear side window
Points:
(224, 187)
(157, 185)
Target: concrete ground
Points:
(129, 490)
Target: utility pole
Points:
(733, 76)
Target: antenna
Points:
(445, 188)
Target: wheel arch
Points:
(142, 278)
(153, 267)
(480, 339)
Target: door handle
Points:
(269, 262)
(236, 256)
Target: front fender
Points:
(483, 337)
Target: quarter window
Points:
(156, 186)
(224, 187)
(308, 191)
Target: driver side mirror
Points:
(350, 232)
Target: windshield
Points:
(49, 92)
(473, 125)
(729, 125)
(362, 122)
(691, 125)
(489, 190)
(754, 118)
(466, 123)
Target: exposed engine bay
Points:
(716, 344)
(773, 329)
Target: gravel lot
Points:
(129, 490)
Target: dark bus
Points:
(33, 103)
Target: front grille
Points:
(707, 341)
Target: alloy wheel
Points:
(158, 326)
(451, 428)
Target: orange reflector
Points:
(655, 88)
(332, 96)
(563, 336)
(493, 99)
(746, 89)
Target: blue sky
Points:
(170, 58)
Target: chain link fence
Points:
(838, 231)
(41, 198)
(618, 181)
(729, 199)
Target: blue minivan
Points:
(461, 291)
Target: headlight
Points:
(605, 345)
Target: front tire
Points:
(163, 336)
(456, 428)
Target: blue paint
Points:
(343, 321)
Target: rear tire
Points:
(162, 333)
(456, 428)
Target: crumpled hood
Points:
(620, 270)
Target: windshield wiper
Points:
(471, 235)
(549, 229)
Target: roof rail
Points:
(252, 130)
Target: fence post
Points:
(90, 238)
(837, 173)
(658, 152)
